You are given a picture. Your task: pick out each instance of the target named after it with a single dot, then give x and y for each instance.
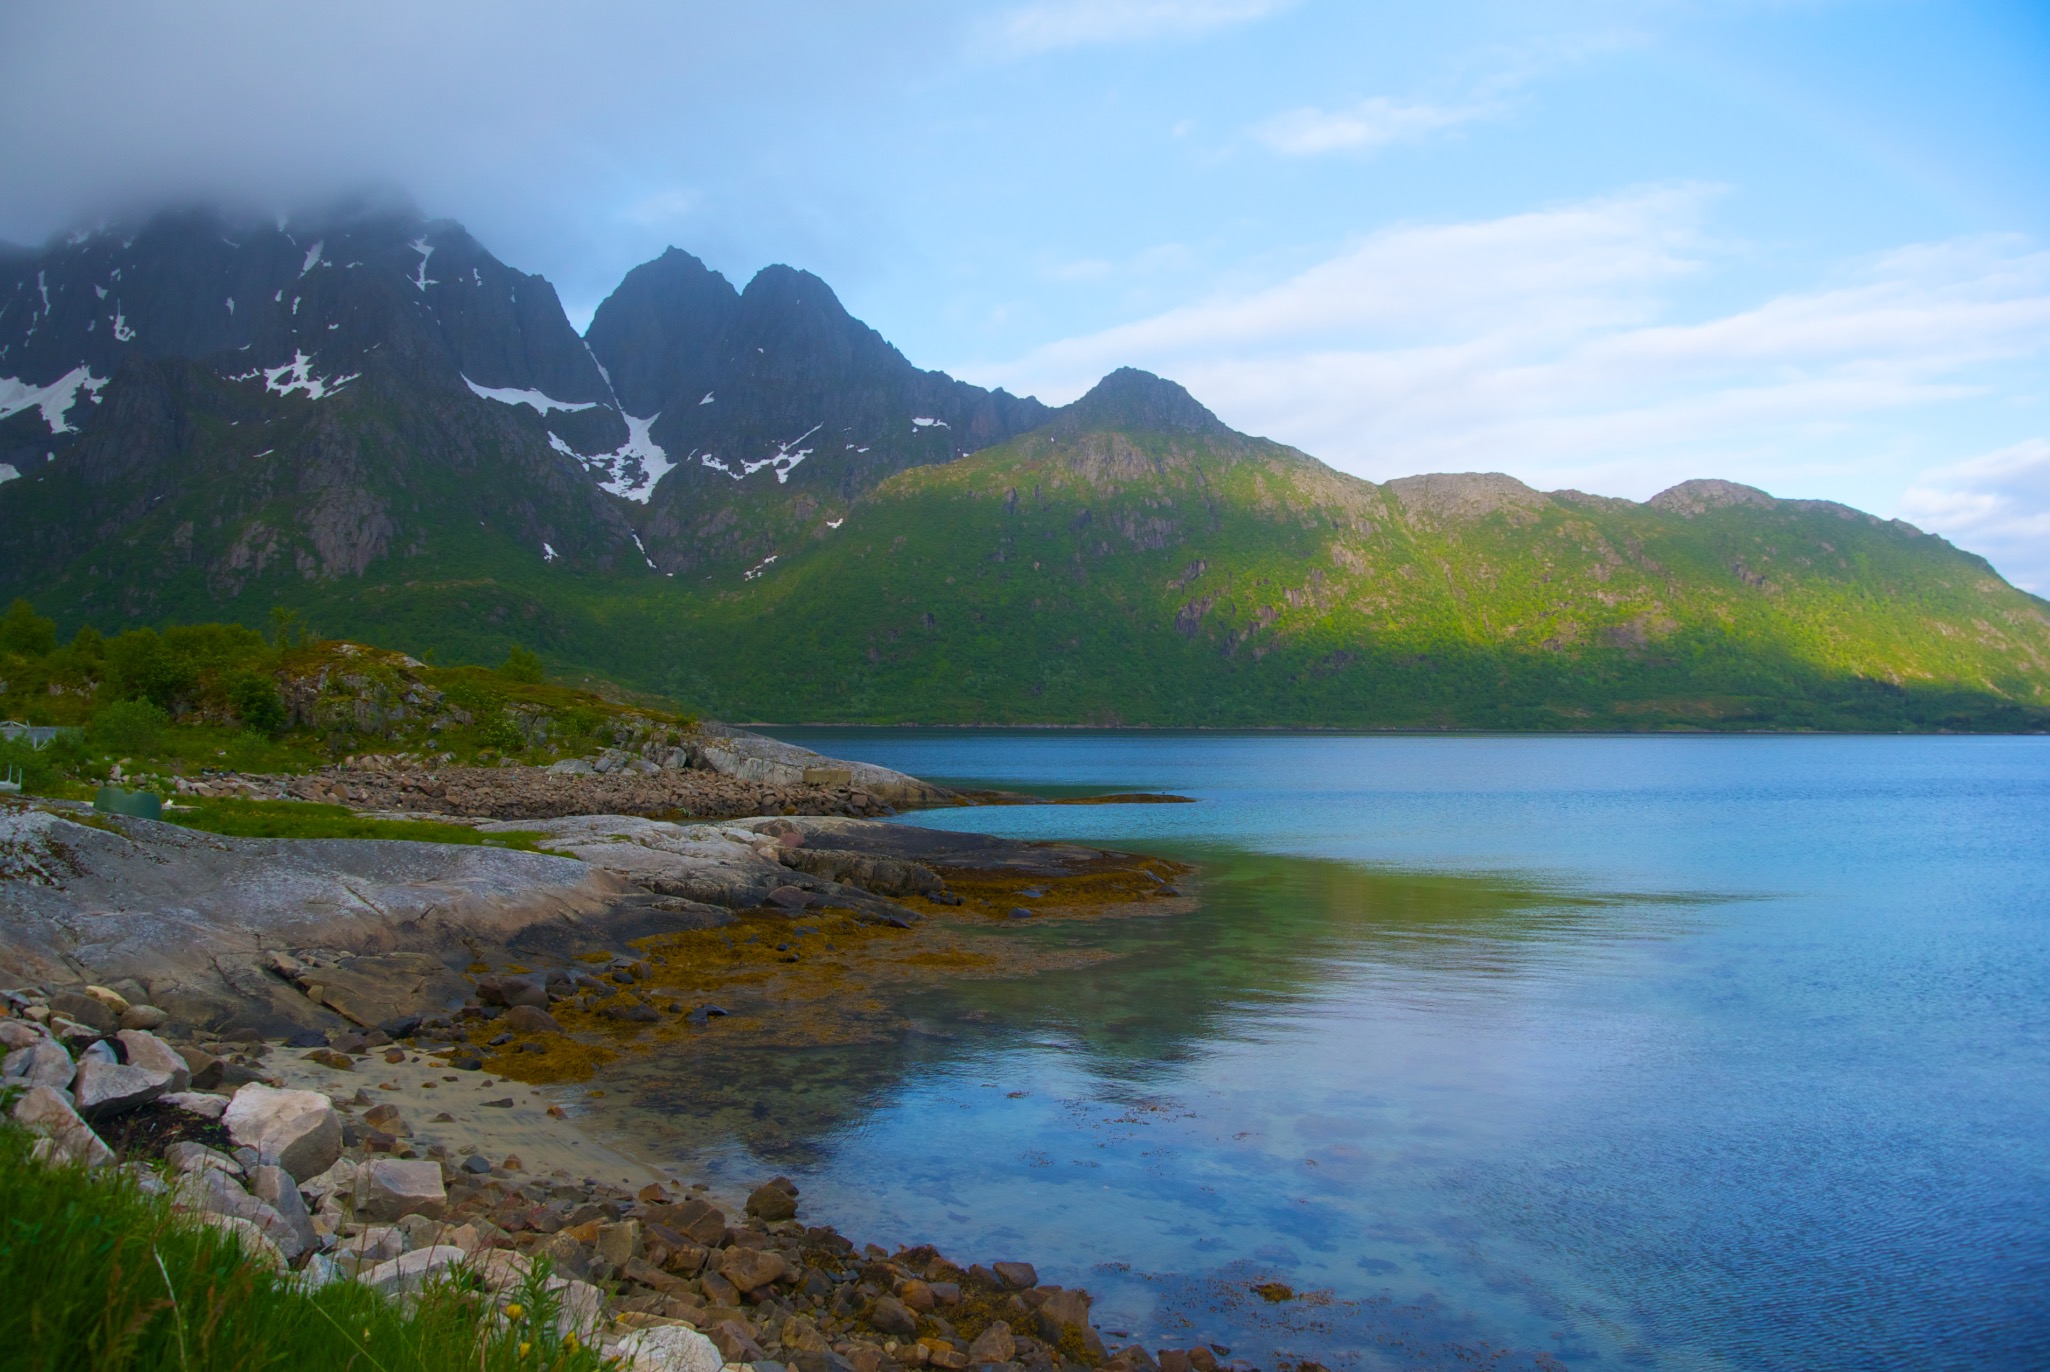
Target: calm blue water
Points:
(1660, 1052)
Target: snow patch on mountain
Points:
(630, 470)
(54, 400)
(755, 571)
(927, 422)
(784, 460)
(644, 554)
(513, 395)
(297, 375)
(426, 250)
(708, 398)
(121, 330)
(312, 256)
(7, 474)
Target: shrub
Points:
(24, 631)
(129, 727)
(257, 704)
(523, 665)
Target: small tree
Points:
(257, 704)
(522, 664)
(128, 726)
(24, 631)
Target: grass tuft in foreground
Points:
(100, 1275)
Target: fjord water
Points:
(1696, 1052)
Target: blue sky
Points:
(1602, 243)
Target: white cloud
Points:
(1997, 505)
(1370, 124)
(1050, 24)
(1546, 344)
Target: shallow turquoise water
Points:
(1664, 1052)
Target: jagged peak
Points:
(1131, 399)
(777, 284)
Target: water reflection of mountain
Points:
(1271, 933)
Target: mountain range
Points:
(749, 500)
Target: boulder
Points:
(15, 1033)
(144, 1017)
(736, 1342)
(916, 1295)
(249, 1238)
(511, 991)
(107, 996)
(386, 1119)
(618, 1244)
(529, 1019)
(42, 1063)
(772, 1201)
(993, 1344)
(188, 1157)
(411, 1271)
(277, 1188)
(112, 1088)
(66, 1137)
(667, 1348)
(750, 1269)
(892, 1316)
(207, 1069)
(387, 1188)
(86, 1010)
(143, 1049)
(1066, 1314)
(377, 1243)
(204, 1104)
(296, 1130)
(216, 1193)
(1019, 1276)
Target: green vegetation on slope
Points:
(310, 819)
(200, 697)
(1116, 572)
(100, 1275)
(1143, 578)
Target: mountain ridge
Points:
(373, 420)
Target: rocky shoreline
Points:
(358, 1181)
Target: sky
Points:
(1606, 244)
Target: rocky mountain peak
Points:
(1691, 498)
(1131, 399)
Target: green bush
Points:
(522, 665)
(128, 727)
(257, 704)
(24, 631)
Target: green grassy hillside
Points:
(1118, 576)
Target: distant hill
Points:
(751, 502)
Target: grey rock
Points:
(216, 1193)
(411, 1271)
(296, 1130)
(113, 1088)
(83, 1009)
(144, 1049)
(388, 1188)
(144, 1017)
(42, 1063)
(277, 1188)
(187, 1156)
(67, 1137)
(202, 1103)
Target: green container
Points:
(112, 800)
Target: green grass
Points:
(99, 1275)
(311, 819)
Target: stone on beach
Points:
(42, 1063)
(388, 1188)
(667, 1348)
(750, 1269)
(773, 1201)
(411, 1271)
(66, 1136)
(529, 1019)
(110, 1088)
(296, 1130)
(143, 1049)
(249, 1237)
